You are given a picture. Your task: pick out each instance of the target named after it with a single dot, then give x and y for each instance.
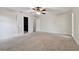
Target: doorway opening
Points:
(25, 24)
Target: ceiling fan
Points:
(39, 10)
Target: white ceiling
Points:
(59, 10)
(29, 9)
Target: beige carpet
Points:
(40, 41)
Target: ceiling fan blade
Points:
(43, 10)
(43, 13)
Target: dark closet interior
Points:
(25, 24)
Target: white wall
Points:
(12, 23)
(56, 23)
(76, 24)
(8, 23)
